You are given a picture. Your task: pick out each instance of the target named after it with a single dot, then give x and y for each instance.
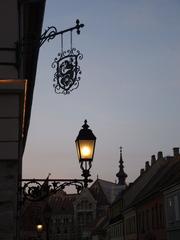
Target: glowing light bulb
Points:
(85, 151)
(39, 227)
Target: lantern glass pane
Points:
(86, 148)
(77, 149)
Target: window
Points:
(139, 222)
(157, 216)
(80, 218)
(131, 225)
(170, 210)
(90, 205)
(153, 218)
(161, 216)
(147, 219)
(176, 208)
(173, 210)
(143, 223)
(89, 217)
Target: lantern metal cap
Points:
(85, 133)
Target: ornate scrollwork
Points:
(33, 190)
(36, 190)
(49, 34)
(66, 77)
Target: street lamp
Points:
(38, 189)
(39, 229)
(85, 145)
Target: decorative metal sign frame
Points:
(66, 77)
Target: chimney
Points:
(160, 155)
(141, 171)
(176, 151)
(153, 159)
(147, 166)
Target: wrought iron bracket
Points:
(39, 189)
(51, 32)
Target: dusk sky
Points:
(129, 90)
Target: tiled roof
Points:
(167, 175)
(100, 225)
(62, 203)
(109, 191)
(141, 183)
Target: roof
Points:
(116, 219)
(100, 225)
(167, 175)
(133, 191)
(62, 203)
(85, 194)
(105, 192)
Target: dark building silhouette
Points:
(21, 25)
(72, 216)
(148, 208)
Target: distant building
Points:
(72, 216)
(32, 214)
(172, 206)
(81, 216)
(85, 207)
(172, 199)
(61, 222)
(134, 210)
(115, 227)
(149, 207)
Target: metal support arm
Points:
(51, 32)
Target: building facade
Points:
(115, 227)
(172, 205)
(149, 207)
(81, 216)
(171, 194)
(84, 214)
(20, 23)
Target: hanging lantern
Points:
(85, 143)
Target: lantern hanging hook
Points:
(71, 39)
(62, 43)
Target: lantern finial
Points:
(85, 125)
